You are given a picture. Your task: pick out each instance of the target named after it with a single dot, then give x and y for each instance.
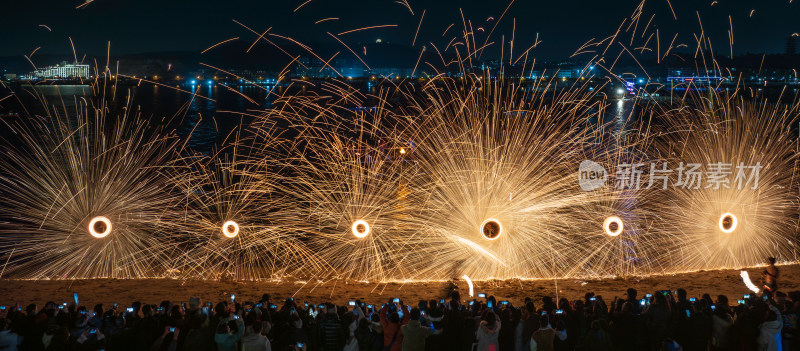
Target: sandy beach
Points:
(125, 291)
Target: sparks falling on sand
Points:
(232, 219)
(496, 188)
(83, 196)
(348, 190)
(738, 221)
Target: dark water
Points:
(209, 117)
(205, 118)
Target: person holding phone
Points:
(351, 325)
(170, 336)
(631, 296)
(391, 323)
(682, 302)
(92, 338)
(722, 337)
(414, 333)
(659, 318)
(355, 318)
(435, 316)
(96, 316)
(229, 332)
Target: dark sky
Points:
(135, 26)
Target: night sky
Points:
(141, 26)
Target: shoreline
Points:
(153, 291)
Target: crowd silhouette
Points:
(661, 320)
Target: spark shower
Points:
(440, 177)
(486, 186)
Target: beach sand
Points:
(125, 291)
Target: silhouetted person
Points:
(332, 335)
(543, 337)
(771, 277)
(9, 341)
(414, 334)
(488, 332)
(255, 341)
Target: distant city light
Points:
(193, 82)
(63, 70)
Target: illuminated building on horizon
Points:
(63, 70)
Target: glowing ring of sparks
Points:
(613, 221)
(491, 229)
(230, 229)
(360, 228)
(728, 222)
(100, 227)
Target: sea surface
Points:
(207, 118)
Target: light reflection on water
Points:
(208, 118)
(207, 121)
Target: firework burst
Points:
(234, 221)
(346, 181)
(615, 229)
(473, 174)
(498, 187)
(82, 193)
(735, 196)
